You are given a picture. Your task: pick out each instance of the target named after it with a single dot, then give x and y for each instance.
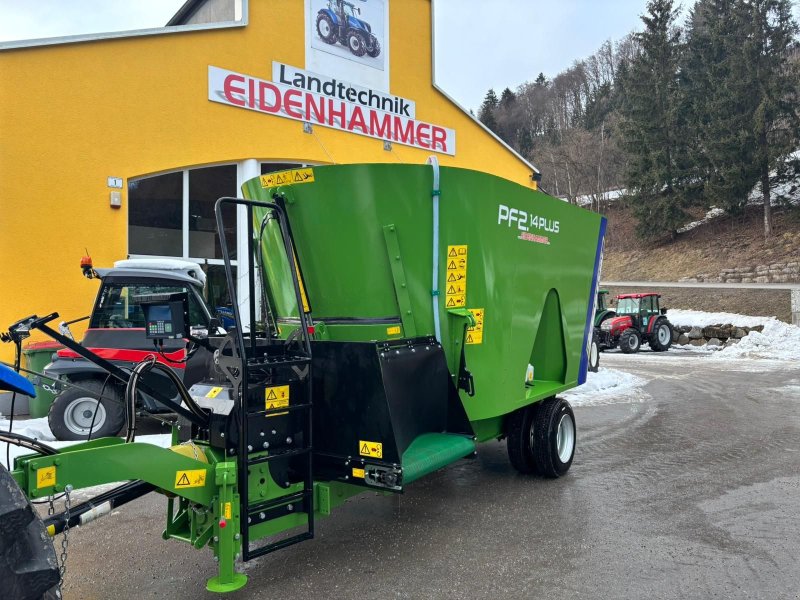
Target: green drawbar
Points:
(432, 451)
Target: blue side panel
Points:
(14, 382)
(584, 368)
(331, 14)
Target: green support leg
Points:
(227, 539)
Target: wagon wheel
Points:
(541, 438)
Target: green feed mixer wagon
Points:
(395, 317)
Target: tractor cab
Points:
(602, 311)
(639, 318)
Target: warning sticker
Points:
(213, 392)
(190, 479)
(456, 277)
(290, 177)
(358, 473)
(227, 512)
(373, 449)
(277, 397)
(475, 334)
(45, 477)
(393, 330)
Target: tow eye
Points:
(384, 477)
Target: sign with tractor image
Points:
(349, 38)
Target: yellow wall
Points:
(72, 115)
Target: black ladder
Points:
(273, 362)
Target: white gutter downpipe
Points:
(435, 193)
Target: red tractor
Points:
(639, 319)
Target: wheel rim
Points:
(79, 414)
(593, 355)
(633, 343)
(354, 43)
(663, 335)
(565, 438)
(324, 28)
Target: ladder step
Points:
(276, 508)
(278, 361)
(277, 455)
(280, 500)
(254, 553)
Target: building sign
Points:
(349, 38)
(329, 102)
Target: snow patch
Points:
(697, 318)
(710, 216)
(607, 386)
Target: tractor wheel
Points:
(74, 409)
(630, 341)
(357, 43)
(661, 338)
(375, 48)
(541, 438)
(326, 29)
(28, 566)
(594, 354)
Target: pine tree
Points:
(653, 128)
(487, 110)
(770, 39)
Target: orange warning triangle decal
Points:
(452, 252)
(364, 449)
(271, 395)
(451, 265)
(450, 302)
(469, 339)
(452, 277)
(184, 480)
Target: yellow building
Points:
(119, 144)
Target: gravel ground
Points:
(690, 489)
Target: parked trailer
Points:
(400, 315)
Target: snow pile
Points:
(778, 341)
(607, 386)
(710, 215)
(697, 318)
(40, 430)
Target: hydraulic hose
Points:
(435, 193)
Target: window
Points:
(118, 306)
(273, 167)
(205, 187)
(155, 215)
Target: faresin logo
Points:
(529, 225)
(324, 101)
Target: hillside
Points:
(709, 252)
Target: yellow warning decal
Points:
(45, 477)
(373, 449)
(290, 177)
(277, 397)
(456, 277)
(358, 473)
(213, 392)
(227, 512)
(190, 479)
(475, 334)
(393, 330)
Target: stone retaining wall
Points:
(788, 272)
(713, 335)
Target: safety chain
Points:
(62, 571)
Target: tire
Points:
(28, 565)
(630, 341)
(661, 338)
(541, 438)
(594, 354)
(71, 414)
(326, 29)
(357, 43)
(375, 49)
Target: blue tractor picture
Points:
(339, 23)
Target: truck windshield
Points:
(628, 306)
(117, 305)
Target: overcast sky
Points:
(479, 43)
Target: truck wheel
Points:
(326, 29)
(541, 438)
(357, 43)
(594, 354)
(630, 341)
(661, 338)
(375, 49)
(71, 414)
(28, 566)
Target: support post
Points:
(227, 538)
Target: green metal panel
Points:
(534, 285)
(432, 451)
